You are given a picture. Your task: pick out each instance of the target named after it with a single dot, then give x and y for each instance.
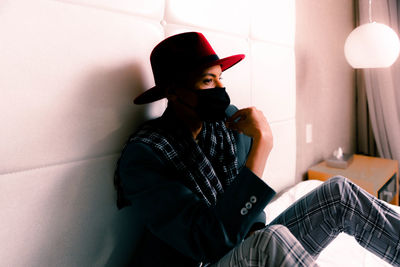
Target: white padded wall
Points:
(59, 215)
(273, 79)
(273, 21)
(226, 16)
(68, 80)
(69, 70)
(274, 92)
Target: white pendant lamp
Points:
(372, 45)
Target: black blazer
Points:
(176, 228)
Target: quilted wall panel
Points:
(68, 81)
(68, 73)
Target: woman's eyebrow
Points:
(211, 74)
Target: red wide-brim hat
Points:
(178, 55)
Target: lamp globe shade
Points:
(372, 45)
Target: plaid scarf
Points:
(206, 167)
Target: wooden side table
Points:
(378, 176)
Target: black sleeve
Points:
(178, 217)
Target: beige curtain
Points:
(378, 91)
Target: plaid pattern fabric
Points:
(206, 166)
(341, 206)
(272, 246)
(314, 221)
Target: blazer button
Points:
(243, 211)
(248, 205)
(253, 199)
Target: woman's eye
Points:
(207, 81)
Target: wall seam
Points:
(117, 11)
(57, 164)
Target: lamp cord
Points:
(370, 11)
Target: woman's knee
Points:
(339, 179)
(281, 247)
(338, 184)
(265, 240)
(274, 232)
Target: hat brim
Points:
(227, 62)
(157, 93)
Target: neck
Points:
(195, 129)
(187, 117)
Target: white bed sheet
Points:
(344, 250)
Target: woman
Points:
(192, 177)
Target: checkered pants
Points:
(314, 221)
(272, 246)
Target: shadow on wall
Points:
(110, 94)
(84, 226)
(114, 91)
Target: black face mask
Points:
(211, 103)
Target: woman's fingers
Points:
(249, 121)
(239, 115)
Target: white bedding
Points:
(344, 250)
